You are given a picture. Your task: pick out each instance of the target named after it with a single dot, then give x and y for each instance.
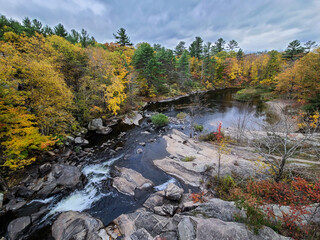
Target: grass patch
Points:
(188, 158)
(181, 116)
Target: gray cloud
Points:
(256, 25)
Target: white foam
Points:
(163, 186)
(47, 200)
(81, 200)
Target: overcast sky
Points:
(257, 25)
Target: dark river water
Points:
(99, 198)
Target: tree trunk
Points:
(280, 171)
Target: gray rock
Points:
(187, 229)
(95, 124)
(80, 140)
(104, 130)
(51, 154)
(70, 139)
(67, 153)
(17, 226)
(153, 201)
(61, 177)
(141, 234)
(47, 189)
(217, 208)
(216, 229)
(169, 235)
(152, 223)
(130, 180)
(170, 209)
(66, 175)
(173, 192)
(142, 144)
(45, 168)
(24, 192)
(14, 204)
(78, 226)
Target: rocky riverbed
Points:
(123, 181)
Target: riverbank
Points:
(121, 170)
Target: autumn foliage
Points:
(298, 196)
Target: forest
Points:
(53, 82)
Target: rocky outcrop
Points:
(78, 226)
(129, 180)
(205, 157)
(187, 227)
(133, 118)
(18, 226)
(212, 220)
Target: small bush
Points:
(159, 120)
(188, 158)
(181, 116)
(225, 186)
(198, 128)
(210, 137)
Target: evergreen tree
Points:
(37, 26)
(180, 48)
(122, 37)
(240, 54)
(219, 46)
(294, 50)
(183, 64)
(59, 30)
(74, 36)
(196, 48)
(232, 45)
(309, 45)
(47, 31)
(28, 26)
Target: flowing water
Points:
(99, 198)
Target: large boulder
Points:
(129, 180)
(217, 208)
(173, 192)
(216, 229)
(187, 229)
(78, 226)
(151, 222)
(95, 124)
(62, 177)
(18, 226)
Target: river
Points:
(99, 198)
